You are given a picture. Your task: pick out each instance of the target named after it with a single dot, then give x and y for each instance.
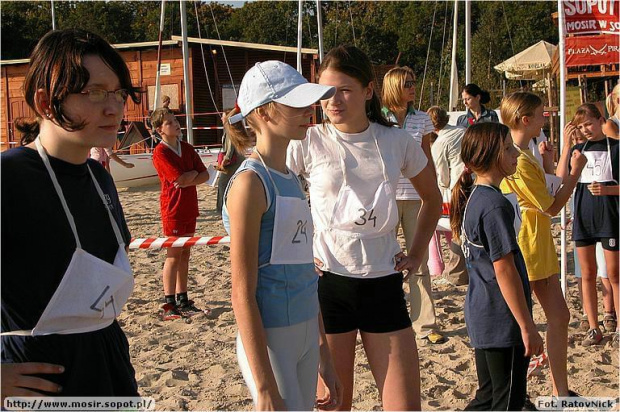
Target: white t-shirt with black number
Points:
(318, 159)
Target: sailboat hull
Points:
(143, 173)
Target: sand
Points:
(193, 366)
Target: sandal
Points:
(609, 322)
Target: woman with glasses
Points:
(66, 274)
(398, 99)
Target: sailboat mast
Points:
(454, 84)
(53, 16)
(299, 33)
(467, 41)
(162, 18)
(186, 81)
(319, 23)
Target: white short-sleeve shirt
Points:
(317, 159)
(418, 124)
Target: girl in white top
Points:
(352, 164)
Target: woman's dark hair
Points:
(474, 90)
(354, 63)
(56, 66)
(481, 150)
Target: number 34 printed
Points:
(363, 219)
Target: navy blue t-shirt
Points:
(37, 246)
(490, 232)
(597, 216)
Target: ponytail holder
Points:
(467, 170)
(237, 117)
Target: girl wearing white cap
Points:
(353, 164)
(281, 344)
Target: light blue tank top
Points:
(286, 294)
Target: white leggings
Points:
(294, 357)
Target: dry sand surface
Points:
(193, 366)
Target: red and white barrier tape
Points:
(174, 241)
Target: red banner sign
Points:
(592, 50)
(592, 16)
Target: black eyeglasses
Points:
(409, 84)
(99, 95)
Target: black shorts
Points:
(609, 243)
(375, 305)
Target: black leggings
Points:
(502, 379)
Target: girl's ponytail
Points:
(460, 193)
(237, 133)
(481, 150)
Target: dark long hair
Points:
(481, 150)
(354, 63)
(473, 89)
(56, 66)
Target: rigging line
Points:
(337, 24)
(204, 64)
(232, 82)
(352, 25)
(443, 44)
(510, 37)
(428, 51)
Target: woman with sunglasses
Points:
(66, 274)
(398, 96)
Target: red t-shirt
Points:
(177, 203)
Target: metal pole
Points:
(453, 71)
(319, 22)
(299, 33)
(188, 100)
(467, 41)
(562, 113)
(162, 18)
(53, 16)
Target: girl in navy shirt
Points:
(596, 212)
(498, 305)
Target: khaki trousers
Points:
(421, 305)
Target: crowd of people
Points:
(310, 271)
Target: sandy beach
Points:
(193, 366)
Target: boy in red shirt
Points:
(179, 169)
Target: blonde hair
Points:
(439, 117)
(237, 132)
(611, 102)
(517, 105)
(393, 85)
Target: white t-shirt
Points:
(446, 153)
(317, 159)
(417, 124)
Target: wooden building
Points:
(215, 72)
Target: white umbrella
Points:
(529, 64)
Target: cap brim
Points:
(306, 95)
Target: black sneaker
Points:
(170, 312)
(188, 309)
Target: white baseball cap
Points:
(275, 81)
